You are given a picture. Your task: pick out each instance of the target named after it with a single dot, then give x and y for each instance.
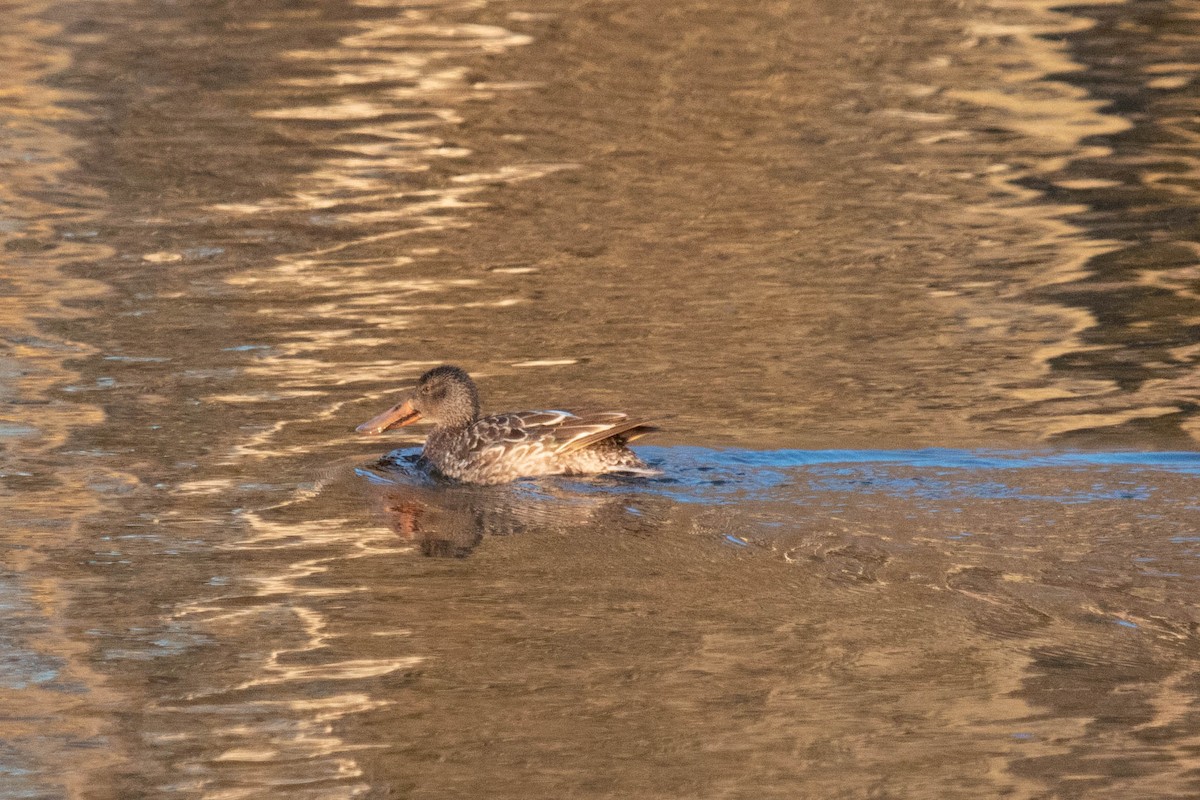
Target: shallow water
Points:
(913, 290)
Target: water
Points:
(912, 286)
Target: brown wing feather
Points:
(576, 435)
(639, 432)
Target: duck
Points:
(469, 448)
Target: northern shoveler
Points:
(503, 447)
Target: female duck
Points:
(504, 447)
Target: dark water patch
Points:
(1136, 186)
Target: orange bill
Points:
(394, 417)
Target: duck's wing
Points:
(577, 432)
(552, 431)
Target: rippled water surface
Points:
(913, 288)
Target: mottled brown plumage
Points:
(503, 447)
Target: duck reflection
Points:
(447, 519)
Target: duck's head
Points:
(445, 396)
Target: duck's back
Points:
(503, 447)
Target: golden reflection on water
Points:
(1055, 121)
(53, 742)
(397, 91)
(298, 731)
(1064, 121)
(793, 226)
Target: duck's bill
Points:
(394, 417)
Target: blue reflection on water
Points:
(1174, 461)
(704, 475)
